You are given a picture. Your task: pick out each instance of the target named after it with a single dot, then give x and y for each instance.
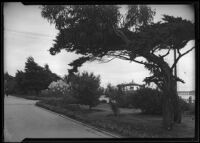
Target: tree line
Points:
(32, 80)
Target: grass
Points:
(127, 124)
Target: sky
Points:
(26, 34)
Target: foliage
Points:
(20, 84)
(115, 98)
(85, 88)
(148, 100)
(138, 15)
(44, 93)
(126, 125)
(99, 32)
(116, 94)
(58, 88)
(112, 92)
(9, 84)
(192, 108)
(34, 78)
(114, 108)
(69, 100)
(184, 105)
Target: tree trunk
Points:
(176, 104)
(171, 106)
(168, 115)
(177, 109)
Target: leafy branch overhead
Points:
(97, 32)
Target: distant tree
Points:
(85, 88)
(34, 78)
(114, 96)
(112, 92)
(9, 84)
(20, 82)
(52, 76)
(49, 76)
(100, 32)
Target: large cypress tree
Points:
(100, 32)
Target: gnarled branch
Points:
(162, 56)
(181, 55)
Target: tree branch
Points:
(126, 58)
(122, 36)
(140, 62)
(166, 53)
(178, 79)
(153, 50)
(108, 60)
(181, 55)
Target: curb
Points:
(78, 122)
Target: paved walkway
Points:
(22, 119)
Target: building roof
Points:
(129, 84)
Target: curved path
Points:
(22, 119)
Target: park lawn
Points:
(127, 124)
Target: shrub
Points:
(188, 107)
(54, 102)
(183, 104)
(85, 88)
(114, 108)
(192, 108)
(72, 107)
(45, 93)
(124, 101)
(56, 89)
(112, 92)
(59, 88)
(148, 100)
(69, 100)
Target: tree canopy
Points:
(34, 78)
(101, 32)
(85, 88)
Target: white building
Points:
(104, 98)
(186, 94)
(129, 87)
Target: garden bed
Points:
(126, 125)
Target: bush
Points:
(192, 108)
(59, 88)
(54, 102)
(56, 89)
(85, 88)
(114, 108)
(69, 100)
(72, 107)
(183, 104)
(124, 101)
(148, 100)
(45, 93)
